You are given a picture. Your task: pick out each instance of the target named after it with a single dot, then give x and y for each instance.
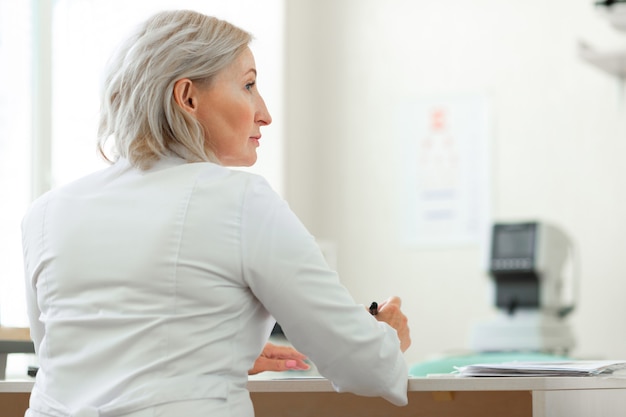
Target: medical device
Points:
(526, 264)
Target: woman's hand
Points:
(389, 312)
(279, 358)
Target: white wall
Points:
(558, 142)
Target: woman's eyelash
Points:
(250, 85)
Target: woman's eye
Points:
(250, 85)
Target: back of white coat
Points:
(152, 293)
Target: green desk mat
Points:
(447, 364)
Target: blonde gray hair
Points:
(138, 108)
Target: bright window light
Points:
(15, 152)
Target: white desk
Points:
(428, 397)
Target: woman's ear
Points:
(185, 95)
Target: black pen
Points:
(374, 308)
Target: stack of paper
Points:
(556, 368)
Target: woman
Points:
(152, 285)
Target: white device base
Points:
(523, 331)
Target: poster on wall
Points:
(444, 144)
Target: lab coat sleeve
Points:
(32, 226)
(286, 270)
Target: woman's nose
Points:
(263, 115)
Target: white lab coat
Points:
(151, 293)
